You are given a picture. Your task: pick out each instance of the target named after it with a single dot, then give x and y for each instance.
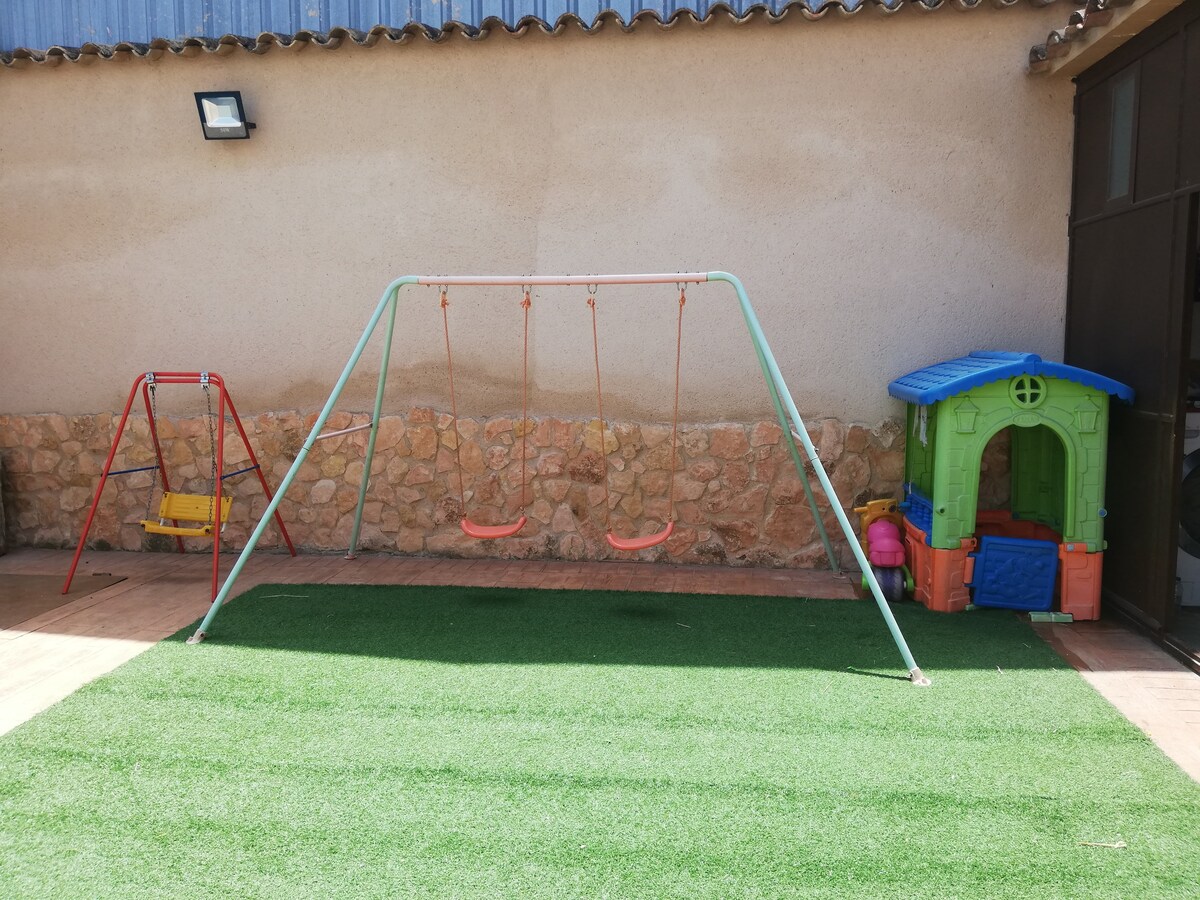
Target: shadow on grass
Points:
(497, 625)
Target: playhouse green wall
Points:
(1059, 454)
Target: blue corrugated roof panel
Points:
(44, 31)
(38, 25)
(957, 376)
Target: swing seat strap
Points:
(473, 529)
(644, 542)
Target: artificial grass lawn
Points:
(335, 741)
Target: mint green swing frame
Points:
(785, 409)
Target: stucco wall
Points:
(892, 190)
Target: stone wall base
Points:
(735, 495)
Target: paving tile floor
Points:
(46, 658)
(1149, 687)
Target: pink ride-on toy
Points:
(883, 542)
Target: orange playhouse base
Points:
(941, 576)
(1079, 581)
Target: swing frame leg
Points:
(216, 535)
(138, 383)
(835, 565)
(773, 375)
(112, 452)
(223, 594)
(352, 550)
(257, 467)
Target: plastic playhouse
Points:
(1051, 539)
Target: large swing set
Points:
(785, 408)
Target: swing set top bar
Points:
(523, 280)
(182, 378)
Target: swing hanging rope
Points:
(153, 388)
(650, 540)
(473, 529)
(212, 446)
(675, 412)
(444, 302)
(526, 303)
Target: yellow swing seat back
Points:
(195, 508)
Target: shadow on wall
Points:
(510, 626)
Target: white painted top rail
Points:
(522, 280)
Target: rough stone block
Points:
(587, 467)
(333, 466)
(423, 440)
(727, 442)
(765, 434)
(419, 474)
(391, 429)
(592, 439)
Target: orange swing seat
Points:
(491, 532)
(641, 543)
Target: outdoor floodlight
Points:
(221, 115)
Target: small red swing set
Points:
(199, 512)
(496, 532)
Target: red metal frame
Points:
(223, 398)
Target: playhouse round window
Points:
(1027, 391)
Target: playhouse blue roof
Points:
(956, 376)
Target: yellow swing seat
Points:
(187, 508)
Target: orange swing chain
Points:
(599, 397)
(462, 493)
(675, 416)
(525, 304)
